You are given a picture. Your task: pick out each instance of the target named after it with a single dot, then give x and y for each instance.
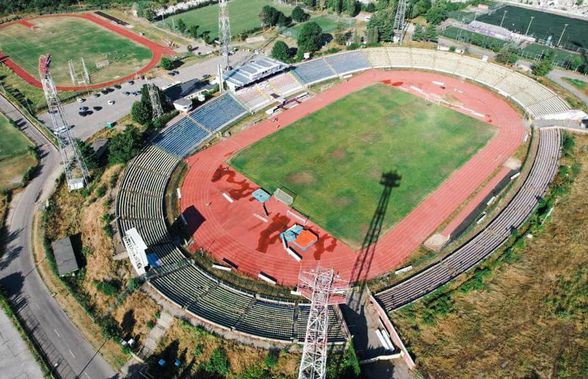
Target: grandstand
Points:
(253, 71)
(188, 132)
(140, 201)
(492, 237)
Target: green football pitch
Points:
(333, 159)
(244, 16)
(107, 55)
(14, 155)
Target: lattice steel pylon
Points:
(224, 32)
(323, 287)
(400, 21)
(155, 100)
(76, 172)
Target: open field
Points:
(525, 315)
(330, 23)
(68, 38)
(15, 158)
(544, 25)
(333, 159)
(244, 16)
(579, 84)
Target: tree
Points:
(299, 15)
(309, 39)
(419, 8)
(88, 154)
(284, 20)
(281, 51)
(507, 55)
(193, 31)
(181, 26)
(270, 16)
(352, 7)
(437, 13)
(544, 66)
(124, 146)
(141, 112)
(167, 63)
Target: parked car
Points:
(111, 102)
(80, 99)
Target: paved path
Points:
(16, 360)
(61, 341)
(558, 75)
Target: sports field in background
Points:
(244, 16)
(333, 159)
(72, 38)
(330, 23)
(543, 25)
(15, 158)
(579, 84)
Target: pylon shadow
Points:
(363, 263)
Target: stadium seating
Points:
(182, 137)
(314, 71)
(284, 85)
(218, 113)
(253, 98)
(348, 62)
(487, 241)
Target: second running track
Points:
(157, 51)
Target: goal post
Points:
(284, 196)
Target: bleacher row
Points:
(487, 241)
(534, 97)
(206, 297)
(189, 131)
(272, 90)
(140, 205)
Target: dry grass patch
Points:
(529, 318)
(135, 314)
(195, 347)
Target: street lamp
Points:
(529, 26)
(503, 16)
(562, 33)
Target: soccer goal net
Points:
(283, 196)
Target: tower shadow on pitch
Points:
(363, 263)
(359, 320)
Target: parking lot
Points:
(99, 112)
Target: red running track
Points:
(234, 230)
(157, 51)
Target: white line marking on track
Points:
(56, 332)
(259, 217)
(228, 198)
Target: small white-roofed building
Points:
(253, 71)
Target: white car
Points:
(111, 102)
(80, 99)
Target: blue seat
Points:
(314, 71)
(181, 138)
(348, 62)
(218, 113)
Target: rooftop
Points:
(65, 258)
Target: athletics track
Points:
(237, 232)
(157, 51)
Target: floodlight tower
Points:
(76, 172)
(400, 21)
(322, 287)
(224, 32)
(155, 100)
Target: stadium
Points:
(311, 186)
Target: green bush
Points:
(218, 364)
(108, 288)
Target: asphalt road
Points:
(557, 76)
(61, 341)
